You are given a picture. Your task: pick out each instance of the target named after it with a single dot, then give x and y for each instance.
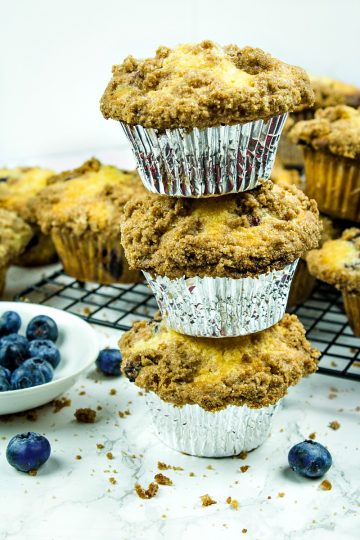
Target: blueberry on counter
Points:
(109, 361)
(28, 451)
(5, 384)
(5, 373)
(42, 327)
(32, 372)
(310, 459)
(46, 350)
(10, 323)
(13, 352)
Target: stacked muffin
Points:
(205, 121)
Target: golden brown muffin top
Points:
(18, 188)
(335, 130)
(15, 234)
(338, 261)
(254, 370)
(330, 92)
(284, 176)
(89, 198)
(204, 85)
(238, 235)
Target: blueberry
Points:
(42, 327)
(32, 372)
(13, 352)
(46, 350)
(5, 384)
(109, 361)
(5, 373)
(28, 451)
(309, 459)
(10, 323)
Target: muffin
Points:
(222, 266)
(283, 176)
(338, 263)
(204, 119)
(212, 397)
(15, 234)
(328, 92)
(82, 210)
(331, 144)
(18, 188)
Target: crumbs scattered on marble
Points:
(100, 446)
(125, 413)
(164, 467)
(206, 500)
(244, 468)
(78, 457)
(163, 480)
(60, 403)
(148, 493)
(109, 455)
(85, 415)
(113, 392)
(281, 494)
(233, 503)
(334, 424)
(312, 435)
(325, 485)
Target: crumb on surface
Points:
(125, 413)
(312, 435)
(148, 493)
(82, 393)
(113, 392)
(164, 467)
(332, 395)
(100, 446)
(60, 403)
(163, 480)
(192, 474)
(86, 310)
(32, 472)
(325, 485)
(85, 415)
(333, 363)
(269, 497)
(99, 408)
(210, 468)
(233, 503)
(109, 455)
(206, 500)
(244, 531)
(112, 480)
(242, 455)
(78, 457)
(281, 494)
(244, 468)
(335, 425)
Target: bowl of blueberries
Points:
(43, 351)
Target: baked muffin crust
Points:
(235, 236)
(254, 370)
(330, 92)
(19, 186)
(204, 85)
(338, 261)
(14, 236)
(89, 198)
(286, 177)
(334, 129)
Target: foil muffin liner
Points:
(222, 307)
(352, 310)
(205, 162)
(201, 433)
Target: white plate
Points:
(79, 348)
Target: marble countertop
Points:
(81, 493)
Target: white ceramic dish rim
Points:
(12, 306)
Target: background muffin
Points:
(212, 384)
(18, 189)
(82, 210)
(15, 234)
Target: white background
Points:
(56, 56)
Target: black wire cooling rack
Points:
(118, 306)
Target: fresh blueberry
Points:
(5, 384)
(13, 352)
(310, 459)
(109, 361)
(42, 327)
(10, 323)
(28, 451)
(46, 350)
(32, 372)
(5, 373)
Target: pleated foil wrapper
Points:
(201, 433)
(205, 162)
(222, 307)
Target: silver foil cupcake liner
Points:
(201, 433)
(223, 307)
(205, 162)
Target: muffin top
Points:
(330, 92)
(286, 177)
(335, 130)
(238, 235)
(89, 198)
(19, 186)
(14, 236)
(254, 370)
(338, 261)
(204, 85)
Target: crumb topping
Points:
(19, 187)
(15, 234)
(231, 236)
(335, 425)
(254, 370)
(163, 480)
(85, 415)
(325, 485)
(330, 92)
(334, 129)
(338, 261)
(89, 198)
(206, 500)
(204, 85)
(148, 493)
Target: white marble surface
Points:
(74, 499)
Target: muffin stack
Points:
(220, 248)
